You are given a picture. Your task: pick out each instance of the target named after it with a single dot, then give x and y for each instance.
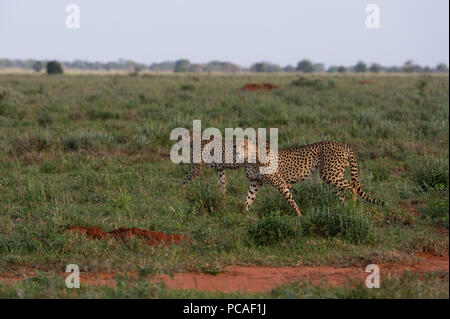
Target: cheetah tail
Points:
(355, 181)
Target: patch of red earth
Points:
(365, 82)
(256, 87)
(150, 237)
(261, 279)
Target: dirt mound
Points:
(150, 237)
(256, 87)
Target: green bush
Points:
(54, 67)
(28, 143)
(205, 198)
(271, 230)
(44, 118)
(438, 210)
(431, 173)
(313, 83)
(346, 223)
(86, 140)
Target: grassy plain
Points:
(93, 150)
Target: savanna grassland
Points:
(87, 150)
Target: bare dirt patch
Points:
(257, 87)
(255, 279)
(149, 237)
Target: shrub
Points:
(86, 140)
(437, 210)
(431, 173)
(54, 67)
(346, 223)
(187, 87)
(95, 114)
(313, 83)
(26, 143)
(44, 118)
(205, 198)
(271, 230)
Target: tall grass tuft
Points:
(346, 222)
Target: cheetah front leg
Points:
(196, 170)
(251, 195)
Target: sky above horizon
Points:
(242, 32)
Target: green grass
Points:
(93, 151)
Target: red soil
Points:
(365, 82)
(260, 279)
(150, 237)
(256, 87)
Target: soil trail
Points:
(261, 279)
(257, 87)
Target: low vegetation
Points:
(93, 151)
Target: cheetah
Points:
(297, 163)
(220, 167)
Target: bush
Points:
(26, 143)
(54, 67)
(313, 83)
(271, 230)
(438, 210)
(86, 140)
(205, 198)
(96, 114)
(346, 223)
(44, 118)
(431, 173)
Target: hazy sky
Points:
(239, 31)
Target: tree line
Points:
(184, 65)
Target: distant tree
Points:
(230, 67)
(37, 66)
(375, 68)
(265, 67)
(342, 69)
(408, 67)
(289, 68)
(319, 67)
(360, 67)
(219, 66)
(196, 68)
(54, 67)
(163, 66)
(442, 67)
(182, 65)
(305, 66)
(332, 69)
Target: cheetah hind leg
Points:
(196, 170)
(283, 188)
(222, 181)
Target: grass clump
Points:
(205, 198)
(313, 83)
(86, 141)
(438, 210)
(431, 173)
(272, 230)
(346, 223)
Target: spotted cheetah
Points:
(197, 168)
(297, 163)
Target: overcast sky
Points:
(239, 31)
